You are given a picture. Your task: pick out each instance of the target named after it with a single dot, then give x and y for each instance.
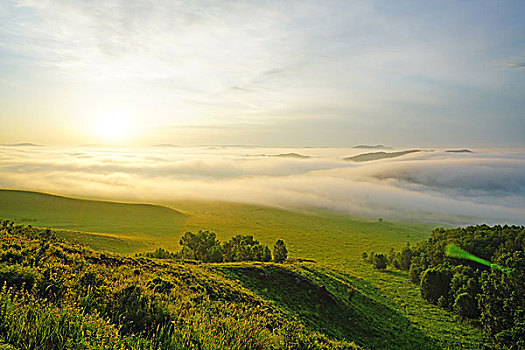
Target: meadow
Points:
(334, 240)
(312, 233)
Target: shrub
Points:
(465, 306)
(136, 312)
(28, 323)
(379, 261)
(435, 284)
(415, 273)
(18, 277)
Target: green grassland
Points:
(58, 295)
(388, 306)
(120, 227)
(315, 234)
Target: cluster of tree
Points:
(161, 253)
(204, 246)
(467, 288)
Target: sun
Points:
(113, 125)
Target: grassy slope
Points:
(316, 234)
(139, 227)
(295, 289)
(182, 305)
(124, 227)
(331, 238)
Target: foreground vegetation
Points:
(60, 296)
(492, 297)
(394, 311)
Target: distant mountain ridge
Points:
(372, 147)
(23, 144)
(459, 151)
(282, 155)
(365, 157)
(166, 145)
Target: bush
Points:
(435, 284)
(379, 261)
(465, 306)
(136, 312)
(18, 277)
(27, 323)
(415, 273)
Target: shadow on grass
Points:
(394, 273)
(331, 303)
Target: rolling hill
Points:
(121, 226)
(334, 240)
(115, 301)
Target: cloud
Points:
(432, 186)
(172, 40)
(516, 65)
(355, 68)
(486, 180)
(515, 62)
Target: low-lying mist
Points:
(486, 186)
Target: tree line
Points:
(487, 296)
(204, 246)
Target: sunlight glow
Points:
(113, 125)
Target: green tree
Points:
(196, 246)
(214, 254)
(405, 258)
(415, 273)
(464, 280)
(245, 248)
(280, 253)
(502, 302)
(435, 283)
(267, 255)
(261, 253)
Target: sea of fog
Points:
(485, 186)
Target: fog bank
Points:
(486, 186)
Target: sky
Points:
(271, 73)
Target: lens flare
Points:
(454, 251)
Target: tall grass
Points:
(27, 322)
(60, 296)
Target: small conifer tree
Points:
(279, 251)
